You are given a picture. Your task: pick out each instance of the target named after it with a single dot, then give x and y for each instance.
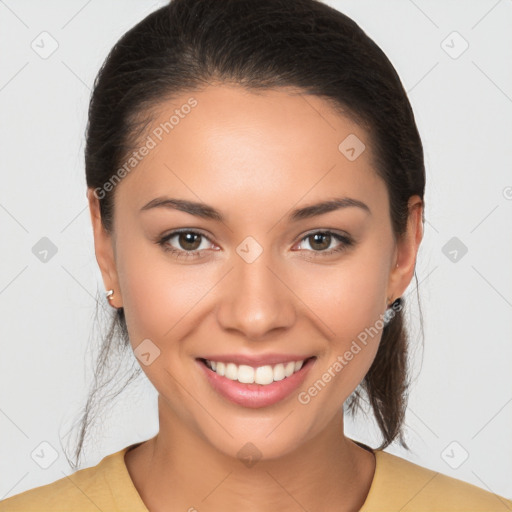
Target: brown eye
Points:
(189, 241)
(185, 244)
(320, 241)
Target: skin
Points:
(254, 157)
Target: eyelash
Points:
(346, 242)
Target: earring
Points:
(110, 295)
(391, 311)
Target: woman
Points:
(256, 187)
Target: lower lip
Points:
(256, 395)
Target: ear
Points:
(404, 264)
(104, 249)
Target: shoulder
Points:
(406, 486)
(85, 490)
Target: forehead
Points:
(226, 141)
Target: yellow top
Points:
(397, 485)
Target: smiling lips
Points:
(255, 381)
(262, 375)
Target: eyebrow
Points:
(210, 213)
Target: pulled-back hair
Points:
(265, 44)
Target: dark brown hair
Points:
(265, 44)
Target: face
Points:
(257, 277)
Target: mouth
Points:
(262, 375)
(255, 385)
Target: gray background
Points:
(460, 415)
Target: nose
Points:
(256, 300)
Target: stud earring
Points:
(391, 311)
(109, 294)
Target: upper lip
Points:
(256, 360)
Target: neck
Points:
(179, 469)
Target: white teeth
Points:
(231, 371)
(221, 369)
(289, 369)
(245, 374)
(262, 375)
(279, 372)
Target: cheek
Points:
(162, 302)
(350, 301)
(350, 296)
(157, 293)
